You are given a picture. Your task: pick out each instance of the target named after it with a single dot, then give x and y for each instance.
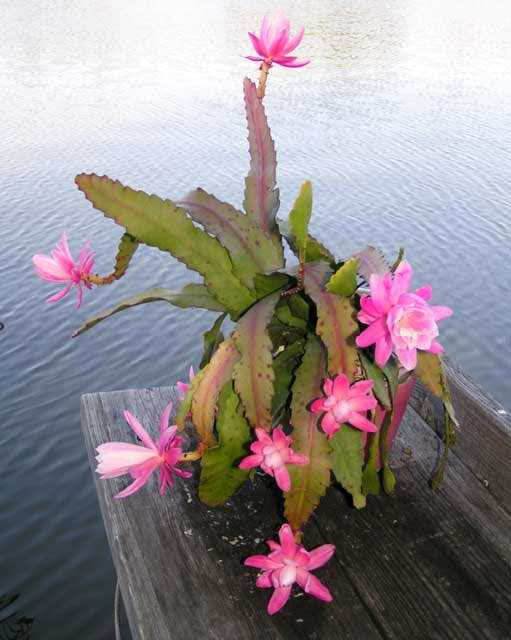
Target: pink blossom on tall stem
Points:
(287, 563)
(274, 42)
(272, 453)
(60, 267)
(118, 458)
(345, 403)
(183, 386)
(399, 321)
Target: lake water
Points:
(402, 121)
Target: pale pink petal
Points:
(363, 403)
(375, 331)
(164, 422)
(318, 557)
(264, 580)
(357, 420)
(139, 430)
(297, 458)
(254, 59)
(134, 486)
(282, 478)
(58, 296)
(435, 347)
(279, 598)
(341, 386)
(383, 350)
(261, 562)
(251, 461)
(294, 41)
(439, 313)
(407, 358)
(48, 269)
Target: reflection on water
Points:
(401, 121)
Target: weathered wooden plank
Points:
(423, 564)
(180, 563)
(484, 442)
(430, 564)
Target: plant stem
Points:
(100, 280)
(265, 68)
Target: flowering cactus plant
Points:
(311, 383)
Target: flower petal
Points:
(287, 541)
(318, 405)
(264, 580)
(360, 388)
(435, 347)
(319, 556)
(279, 598)
(310, 584)
(134, 486)
(294, 41)
(439, 313)
(164, 422)
(341, 386)
(139, 430)
(383, 350)
(329, 424)
(251, 461)
(407, 358)
(357, 420)
(261, 562)
(363, 403)
(402, 280)
(375, 331)
(282, 478)
(424, 292)
(58, 296)
(257, 44)
(297, 458)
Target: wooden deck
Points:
(421, 565)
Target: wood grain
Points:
(420, 565)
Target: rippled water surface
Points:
(402, 122)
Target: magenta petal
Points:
(367, 306)
(360, 388)
(263, 436)
(282, 478)
(254, 59)
(264, 580)
(256, 43)
(58, 296)
(402, 280)
(341, 386)
(280, 438)
(139, 430)
(251, 461)
(357, 420)
(279, 598)
(181, 473)
(294, 41)
(294, 65)
(329, 424)
(164, 422)
(313, 586)
(318, 405)
(318, 557)
(261, 562)
(328, 386)
(287, 541)
(379, 292)
(375, 331)
(435, 347)
(134, 486)
(383, 350)
(424, 292)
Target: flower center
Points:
(272, 457)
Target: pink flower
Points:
(118, 458)
(345, 403)
(272, 453)
(399, 321)
(274, 42)
(288, 563)
(183, 386)
(61, 267)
